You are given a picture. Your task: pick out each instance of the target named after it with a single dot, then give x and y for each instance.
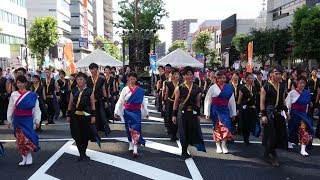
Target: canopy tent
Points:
(179, 58)
(99, 57)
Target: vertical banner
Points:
(68, 55)
(250, 54)
(153, 60)
(85, 18)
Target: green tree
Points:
(240, 42)
(213, 58)
(201, 44)
(178, 44)
(43, 34)
(106, 46)
(150, 13)
(270, 41)
(305, 32)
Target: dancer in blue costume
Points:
(23, 113)
(300, 125)
(132, 107)
(220, 106)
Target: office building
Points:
(12, 32)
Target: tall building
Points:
(60, 10)
(280, 12)
(161, 50)
(12, 32)
(82, 28)
(180, 29)
(108, 19)
(102, 19)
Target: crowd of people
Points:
(257, 103)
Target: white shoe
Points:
(290, 146)
(224, 147)
(23, 162)
(303, 151)
(130, 146)
(219, 150)
(29, 159)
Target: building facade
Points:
(12, 32)
(180, 29)
(60, 10)
(102, 19)
(82, 28)
(161, 50)
(280, 12)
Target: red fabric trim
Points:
(135, 136)
(19, 112)
(299, 107)
(220, 87)
(220, 101)
(304, 136)
(19, 98)
(23, 143)
(132, 106)
(221, 132)
(133, 90)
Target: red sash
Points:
(220, 101)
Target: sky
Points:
(203, 10)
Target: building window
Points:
(65, 5)
(11, 18)
(19, 2)
(7, 39)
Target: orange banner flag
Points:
(249, 66)
(68, 54)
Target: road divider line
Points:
(128, 165)
(41, 172)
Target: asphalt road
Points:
(160, 159)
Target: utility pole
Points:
(25, 43)
(136, 34)
(136, 2)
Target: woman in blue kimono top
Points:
(132, 107)
(300, 125)
(220, 106)
(24, 113)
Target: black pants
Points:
(81, 132)
(51, 109)
(171, 127)
(63, 103)
(275, 134)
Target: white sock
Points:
(303, 150)
(29, 158)
(135, 148)
(130, 146)
(290, 145)
(219, 150)
(23, 162)
(224, 147)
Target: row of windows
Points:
(7, 39)
(11, 18)
(19, 2)
(287, 9)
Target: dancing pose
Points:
(272, 103)
(81, 113)
(300, 125)
(186, 113)
(219, 106)
(131, 107)
(23, 113)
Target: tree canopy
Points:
(106, 46)
(178, 44)
(42, 35)
(201, 44)
(150, 13)
(240, 42)
(305, 32)
(270, 41)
